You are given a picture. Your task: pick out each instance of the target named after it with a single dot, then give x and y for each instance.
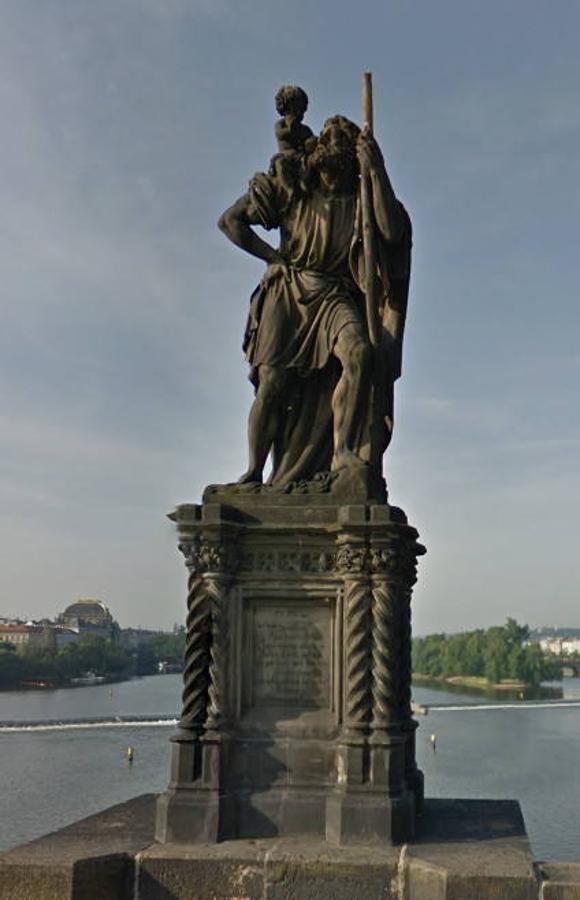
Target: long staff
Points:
(367, 222)
(371, 288)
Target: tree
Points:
(499, 653)
(12, 665)
(145, 660)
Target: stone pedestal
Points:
(296, 704)
(463, 850)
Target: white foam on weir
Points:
(19, 727)
(77, 726)
(486, 706)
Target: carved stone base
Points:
(190, 816)
(362, 817)
(296, 705)
(465, 850)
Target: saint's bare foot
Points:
(346, 459)
(250, 477)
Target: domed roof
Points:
(87, 608)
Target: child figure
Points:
(293, 137)
(291, 133)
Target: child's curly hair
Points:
(291, 98)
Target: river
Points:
(57, 765)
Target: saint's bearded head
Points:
(335, 152)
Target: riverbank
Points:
(88, 661)
(73, 684)
(70, 684)
(471, 681)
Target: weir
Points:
(72, 724)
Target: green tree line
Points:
(497, 654)
(88, 654)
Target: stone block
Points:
(90, 860)
(329, 876)
(282, 813)
(265, 870)
(21, 881)
(199, 873)
(185, 816)
(561, 881)
(467, 849)
(359, 817)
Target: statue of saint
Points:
(324, 395)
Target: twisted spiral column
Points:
(217, 590)
(385, 654)
(358, 702)
(196, 677)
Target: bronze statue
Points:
(324, 390)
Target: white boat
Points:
(88, 678)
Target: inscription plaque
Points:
(291, 649)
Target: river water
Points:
(58, 764)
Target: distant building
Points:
(22, 636)
(89, 616)
(571, 647)
(558, 646)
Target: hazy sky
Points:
(128, 126)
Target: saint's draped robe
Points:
(297, 314)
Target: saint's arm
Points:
(236, 223)
(386, 207)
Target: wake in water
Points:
(75, 724)
(553, 704)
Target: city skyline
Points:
(130, 126)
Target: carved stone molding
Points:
(381, 559)
(398, 559)
(204, 555)
(352, 559)
(287, 561)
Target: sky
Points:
(128, 127)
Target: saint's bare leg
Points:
(349, 401)
(264, 420)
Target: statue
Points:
(323, 373)
(296, 715)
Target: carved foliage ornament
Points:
(351, 559)
(287, 561)
(398, 560)
(202, 555)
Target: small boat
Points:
(88, 678)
